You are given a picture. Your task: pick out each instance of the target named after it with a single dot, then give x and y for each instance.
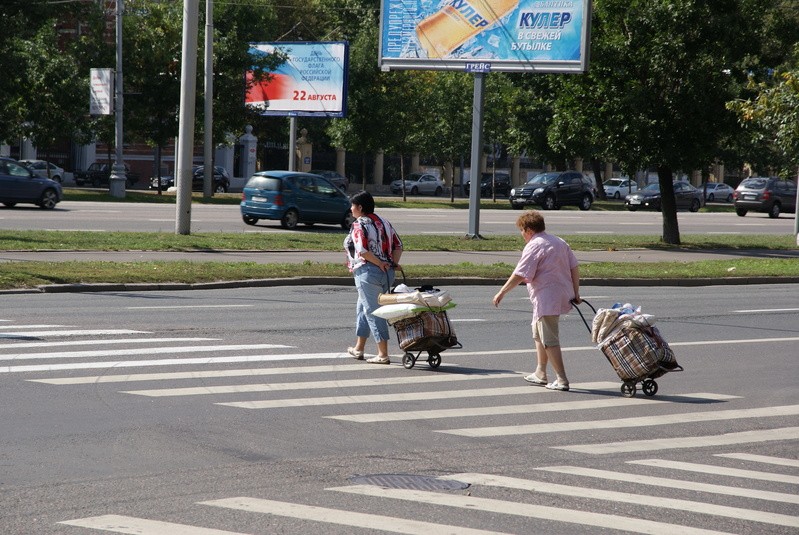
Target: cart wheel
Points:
(649, 387)
(628, 389)
(408, 361)
(434, 361)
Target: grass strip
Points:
(331, 240)
(18, 275)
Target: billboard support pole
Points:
(477, 149)
(292, 143)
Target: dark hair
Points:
(365, 200)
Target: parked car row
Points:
(685, 196)
(492, 184)
(221, 179)
(99, 174)
(18, 184)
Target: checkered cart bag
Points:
(637, 353)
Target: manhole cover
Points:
(409, 481)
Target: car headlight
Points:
(513, 191)
(538, 190)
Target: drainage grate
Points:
(409, 481)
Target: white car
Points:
(617, 188)
(39, 168)
(417, 183)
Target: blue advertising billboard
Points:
(485, 35)
(312, 81)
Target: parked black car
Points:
(221, 179)
(552, 190)
(501, 184)
(19, 184)
(685, 196)
(333, 176)
(99, 174)
(770, 195)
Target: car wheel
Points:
(774, 213)
(695, 205)
(414, 191)
(549, 203)
(58, 178)
(9, 204)
(348, 220)
(290, 219)
(249, 220)
(586, 202)
(710, 198)
(438, 192)
(617, 195)
(220, 188)
(48, 200)
(741, 211)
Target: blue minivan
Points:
(293, 198)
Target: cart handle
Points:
(576, 307)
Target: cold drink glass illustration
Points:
(457, 22)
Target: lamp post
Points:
(116, 182)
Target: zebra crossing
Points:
(58, 353)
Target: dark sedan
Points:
(685, 196)
(19, 184)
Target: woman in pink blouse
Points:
(550, 270)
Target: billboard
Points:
(485, 35)
(312, 81)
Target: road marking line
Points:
(761, 459)
(387, 398)
(43, 326)
(138, 351)
(168, 362)
(207, 374)
(142, 526)
(313, 385)
(165, 307)
(674, 483)
(727, 439)
(511, 409)
(104, 342)
(624, 497)
(619, 423)
(82, 332)
(343, 517)
(767, 310)
(556, 514)
(718, 470)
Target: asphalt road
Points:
(236, 411)
(105, 216)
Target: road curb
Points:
(347, 281)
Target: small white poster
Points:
(100, 90)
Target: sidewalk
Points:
(408, 258)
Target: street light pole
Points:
(208, 147)
(116, 182)
(188, 87)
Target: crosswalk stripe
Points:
(624, 497)
(381, 398)
(343, 518)
(208, 374)
(142, 526)
(727, 439)
(556, 514)
(315, 385)
(674, 483)
(169, 362)
(761, 459)
(41, 326)
(513, 409)
(78, 332)
(718, 470)
(643, 421)
(17, 345)
(138, 351)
